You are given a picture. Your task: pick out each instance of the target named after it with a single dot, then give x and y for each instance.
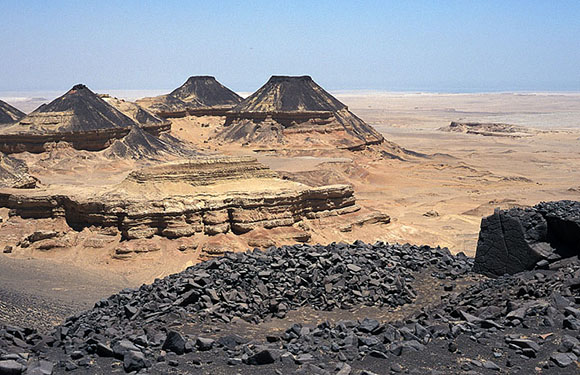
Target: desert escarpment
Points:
(209, 196)
(198, 96)
(79, 117)
(296, 111)
(9, 114)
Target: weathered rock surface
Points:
(140, 144)
(204, 171)
(520, 239)
(154, 124)
(9, 114)
(287, 106)
(14, 174)
(198, 96)
(168, 201)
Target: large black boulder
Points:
(515, 240)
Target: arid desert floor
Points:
(437, 197)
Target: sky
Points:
(445, 46)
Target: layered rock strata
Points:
(14, 174)
(287, 107)
(488, 129)
(520, 239)
(79, 117)
(198, 96)
(209, 196)
(147, 120)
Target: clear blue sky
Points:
(386, 45)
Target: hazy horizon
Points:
(423, 46)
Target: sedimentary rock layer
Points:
(140, 115)
(204, 171)
(520, 239)
(178, 216)
(488, 129)
(287, 106)
(14, 174)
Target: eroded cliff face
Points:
(180, 216)
(206, 195)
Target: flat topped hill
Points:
(206, 91)
(79, 110)
(290, 94)
(9, 114)
(298, 113)
(198, 93)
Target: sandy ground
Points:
(438, 199)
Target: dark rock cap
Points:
(290, 94)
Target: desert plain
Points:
(436, 196)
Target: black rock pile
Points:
(251, 286)
(218, 317)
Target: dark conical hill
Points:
(206, 91)
(298, 113)
(9, 114)
(290, 94)
(77, 111)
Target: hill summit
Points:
(199, 95)
(9, 114)
(297, 112)
(79, 117)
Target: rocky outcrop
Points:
(204, 171)
(14, 174)
(489, 129)
(140, 144)
(9, 114)
(179, 216)
(145, 119)
(519, 239)
(286, 109)
(198, 96)
(79, 117)
(210, 195)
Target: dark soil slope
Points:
(9, 114)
